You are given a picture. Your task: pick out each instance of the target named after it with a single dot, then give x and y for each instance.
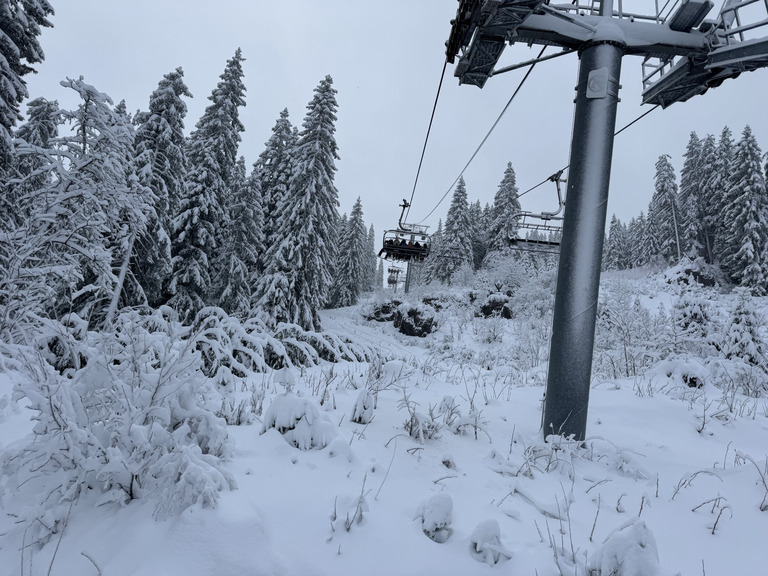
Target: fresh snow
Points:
(670, 481)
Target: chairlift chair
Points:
(543, 229)
(409, 242)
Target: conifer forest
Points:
(212, 357)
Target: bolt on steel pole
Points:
(581, 248)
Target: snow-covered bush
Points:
(233, 349)
(630, 550)
(362, 413)
(299, 421)
(418, 425)
(626, 333)
(436, 515)
(134, 419)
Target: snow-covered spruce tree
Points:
(742, 338)
(720, 190)
(273, 170)
(692, 323)
(479, 234)
(710, 218)
(506, 207)
(456, 248)
(690, 200)
(639, 244)
(20, 25)
(352, 260)
(370, 281)
(745, 235)
(436, 256)
(616, 253)
(663, 212)
(199, 227)
(162, 166)
(297, 277)
(244, 247)
(24, 174)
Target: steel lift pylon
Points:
(684, 55)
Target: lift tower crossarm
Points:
(482, 29)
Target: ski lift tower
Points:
(684, 54)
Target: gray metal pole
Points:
(408, 277)
(578, 277)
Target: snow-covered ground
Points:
(446, 472)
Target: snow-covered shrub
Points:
(416, 319)
(419, 426)
(299, 421)
(496, 305)
(485, 543)
(449, 412)
(362, 413)
(473, 423)
(134, 420)
(630, 550)
(436, 515)
(626, 334)
(237, 412)
(62, 343)
(232, 349)
(490, 330)
(531, 344)
(307, 348)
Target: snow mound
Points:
(629, 550)
(436, 516)
(485, 543)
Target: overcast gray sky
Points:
(385, 59)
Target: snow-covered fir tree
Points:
(436, 255)
(353, 260)
(745, 240)
(273, 169)
(297, 276)
(690, 200)
(242, 251)
(370, 283)
(479, 234)
(504, 213)
(616, 255)
(719, 190)
(20, 25)
(663, 225)
(162, 166)
(742, 338)
(35, 136)
(710, 218)
(199, 227)
(456, 250)
(636, 241)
